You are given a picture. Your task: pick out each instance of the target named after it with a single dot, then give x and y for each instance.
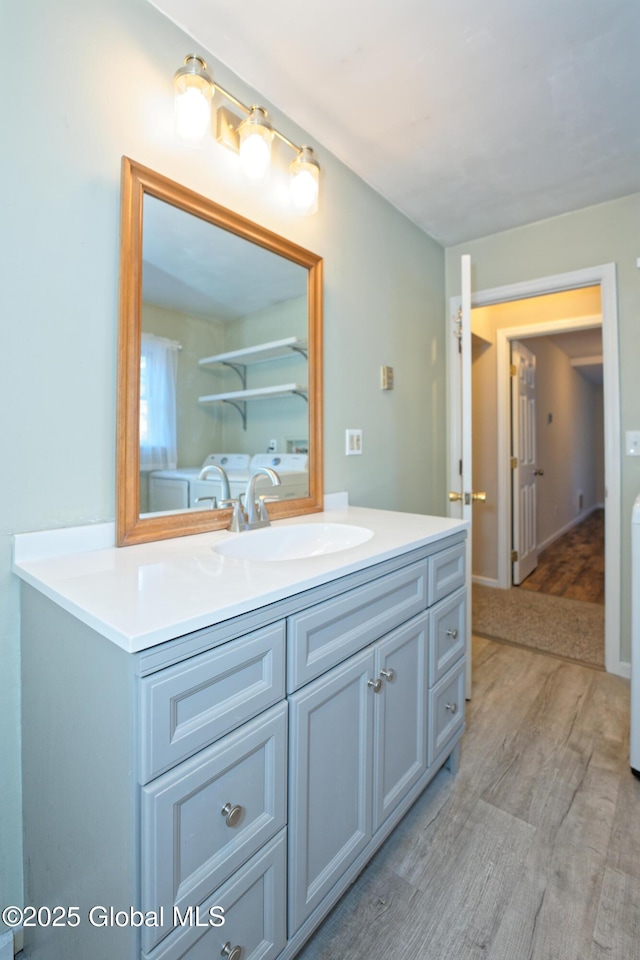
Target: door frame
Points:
(603, 276)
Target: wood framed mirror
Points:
(219, 362)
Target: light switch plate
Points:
(632, 443)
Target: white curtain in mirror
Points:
(158, 377)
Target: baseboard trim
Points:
(568, 526)
(485, 581)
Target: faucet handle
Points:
(235, 524)
(212, 500)
(262, 510)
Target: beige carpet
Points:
(567, 628)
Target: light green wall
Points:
(606, 233)
(95, 82)
(282, 419)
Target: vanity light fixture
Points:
(251, 138)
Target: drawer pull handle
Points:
(452, 633)
(453, 707)
(232, 815)
(376, 684)
(388, 674)
(233, 953)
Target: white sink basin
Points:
(294, 542)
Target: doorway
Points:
(602, 277)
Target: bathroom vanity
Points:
(207, 737)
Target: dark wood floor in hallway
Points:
(531, 851)
(573, 566)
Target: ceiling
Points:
(197, 268)
(470, 117)
(584, 349)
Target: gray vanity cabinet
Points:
(254, 765)
(358, 745)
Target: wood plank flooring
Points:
(573, 566)
(531, 852)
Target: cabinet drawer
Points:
(446, 709)
(189, 845)
(186, 707)
(446, 572)
(328, 633)
(254, 906)
(447, 634)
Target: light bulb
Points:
(305, 181)
(193, 95)
(255, 134)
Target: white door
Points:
(523, 460)
(460, 479)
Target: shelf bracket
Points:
(300, 350)
(240, 369)
(297, 393)
(241, 407)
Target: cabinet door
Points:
(331, 733)
(400, 756)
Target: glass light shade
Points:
(305, 181)
(256, 135)
(193, 95)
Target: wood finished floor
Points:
(573, 566)
(531, 852)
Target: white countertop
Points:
(144, 595)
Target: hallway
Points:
(573, 566)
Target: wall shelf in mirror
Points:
(184, 278)
(273, 350)
(238, 398)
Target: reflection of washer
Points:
(178, 489)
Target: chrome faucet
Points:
(224, 480)
(256, 513)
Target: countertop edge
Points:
(38, 574)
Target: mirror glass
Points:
(220, 363)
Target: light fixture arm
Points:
(245, 109)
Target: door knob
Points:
(538, 473)
(467, 497)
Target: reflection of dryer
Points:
(178, 489)
(292, 468)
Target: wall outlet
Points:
(353, 442)
(273, 446)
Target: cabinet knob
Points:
(388, 674)
(453, 707)
(376, 684)
(233, 953)
(452, 633)
(232, 815)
